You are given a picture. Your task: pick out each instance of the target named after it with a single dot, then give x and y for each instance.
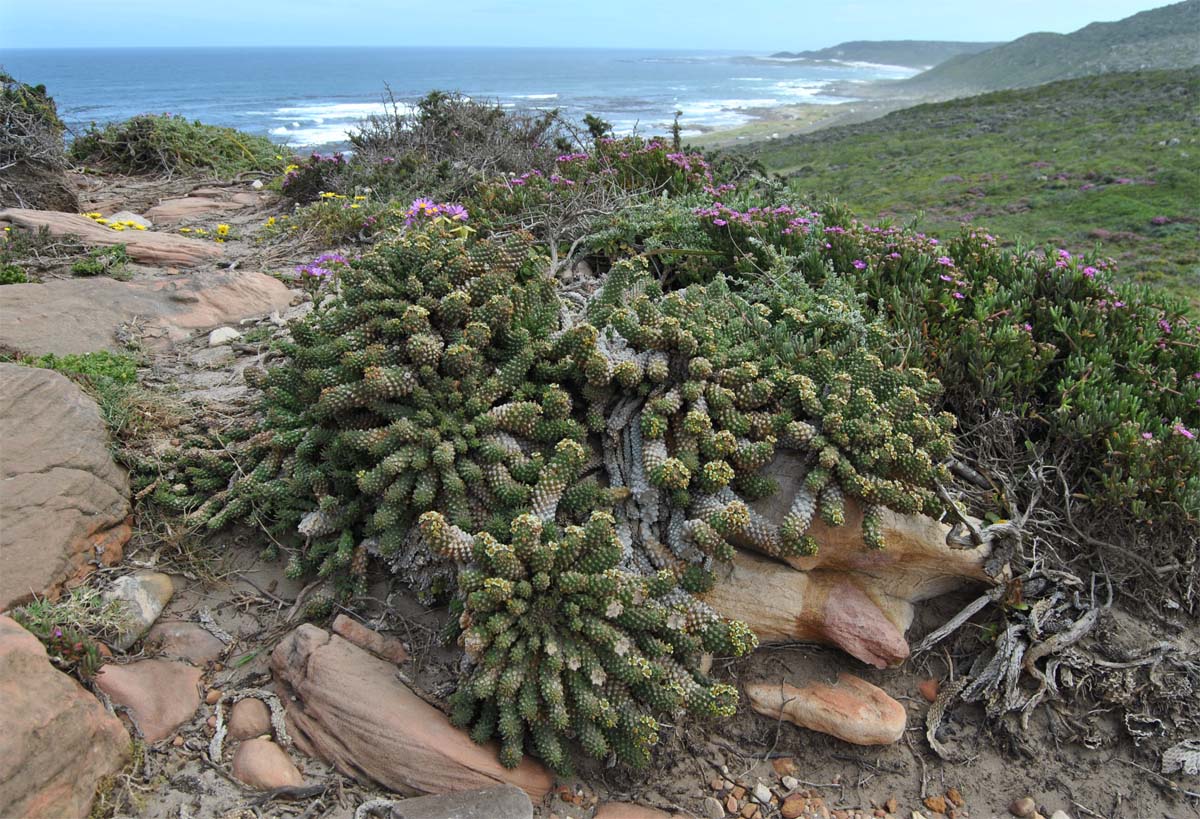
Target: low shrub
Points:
(166, 144)
(103, 261)
(11, 274)
(31, 149)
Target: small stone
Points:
(142, 596)
(161, 695)
(717, 783)
(257, 185)
(212, 697)
(738, 792)
(790, 783)
(249, 718)
(211, 722)
(223, 335)
(1060, 814)
(784, 766)
(793, 807)
(186, 641)
(892, 805)
(731, 804)
(262, 764)
(713, 809)
(929, 688)
(954, 796)
(937, 804)
(178, 741)
(762, 793)
(916, 814)
(1023, 807)
(750, 811)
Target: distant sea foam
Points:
(313, 97)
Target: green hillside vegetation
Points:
(1165, 37)
(911, 53)
(1109, 162)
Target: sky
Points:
(754, 26)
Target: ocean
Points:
(311, 97)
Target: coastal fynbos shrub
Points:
(31, 149)
(322, 272)
(103, 261)
(170, 144)
(306, 178)
(11, 274)
(334, 219)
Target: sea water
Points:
(310, 97)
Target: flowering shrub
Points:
(321, 271)
(333, 219)
(305, 179)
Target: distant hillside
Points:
(1111, 160)
(1167, 37)
(910, 53)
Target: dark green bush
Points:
(171, 144)
(103, 261)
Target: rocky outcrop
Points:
(160, 695)
(848, 595)
(64, 502)
(852, 710)
(147, 247)
(58, 740)
(85, 315)
(350, 709)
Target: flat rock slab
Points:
(348, 707)
(852, 710)
(161, 695)
(504, 802)
(64, 502)
(147, 247)
(58, 740)
(83, 315)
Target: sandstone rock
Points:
(142, 246)
(65, 502)
(249, 718)
(793, 807)
(186, 641)
(262, 764)
(58, 739)
(853, 710)
(713, 808)
(142, 596)
(349, 708)
(160, 694)
(929, 688)
(223, 335)
(503, 802)
(1023, 807)
(386, 648)
(82, 315)
(627, 810)
(173, 211)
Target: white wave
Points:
(535, 96)
(324, 134)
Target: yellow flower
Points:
(271, 222)
(202, 231)
(360, 199)
(219, 240)
(102, 221)
(117, 227)
(139, 227)
(185, 230)
(354, 207)
(291, 168)
(222, 230)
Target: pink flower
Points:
(1090, 272)
(859, 264)
(1148, 436)
(958, 295)
(1185, 432)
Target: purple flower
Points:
(325, 258)
(1027, 327)
(860, 264)
(946, 278)
(1185, 432)
(1148, 436)
(958, 295)
(720, 222)
(1090, 272)
(455, 213)
(945, 261)
(1165, 326)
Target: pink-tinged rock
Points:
(249, 718)
(348, 707)
(160, 694)
(628, 810)
(262, 764)
(853, 710)
(172, 211)
(64, 502)
(851, 620)
(58, 741)
(184, 641)
(144, 246)
(382, 646)
(82, 315)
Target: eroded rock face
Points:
(64, 502)
(852, 710)
(349, 708)
(58, 740)
(143, 246)
(83, 315)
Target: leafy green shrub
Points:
(11, 274)
(170, 144)
(101, 261)
(305, 179)
(116, 367)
